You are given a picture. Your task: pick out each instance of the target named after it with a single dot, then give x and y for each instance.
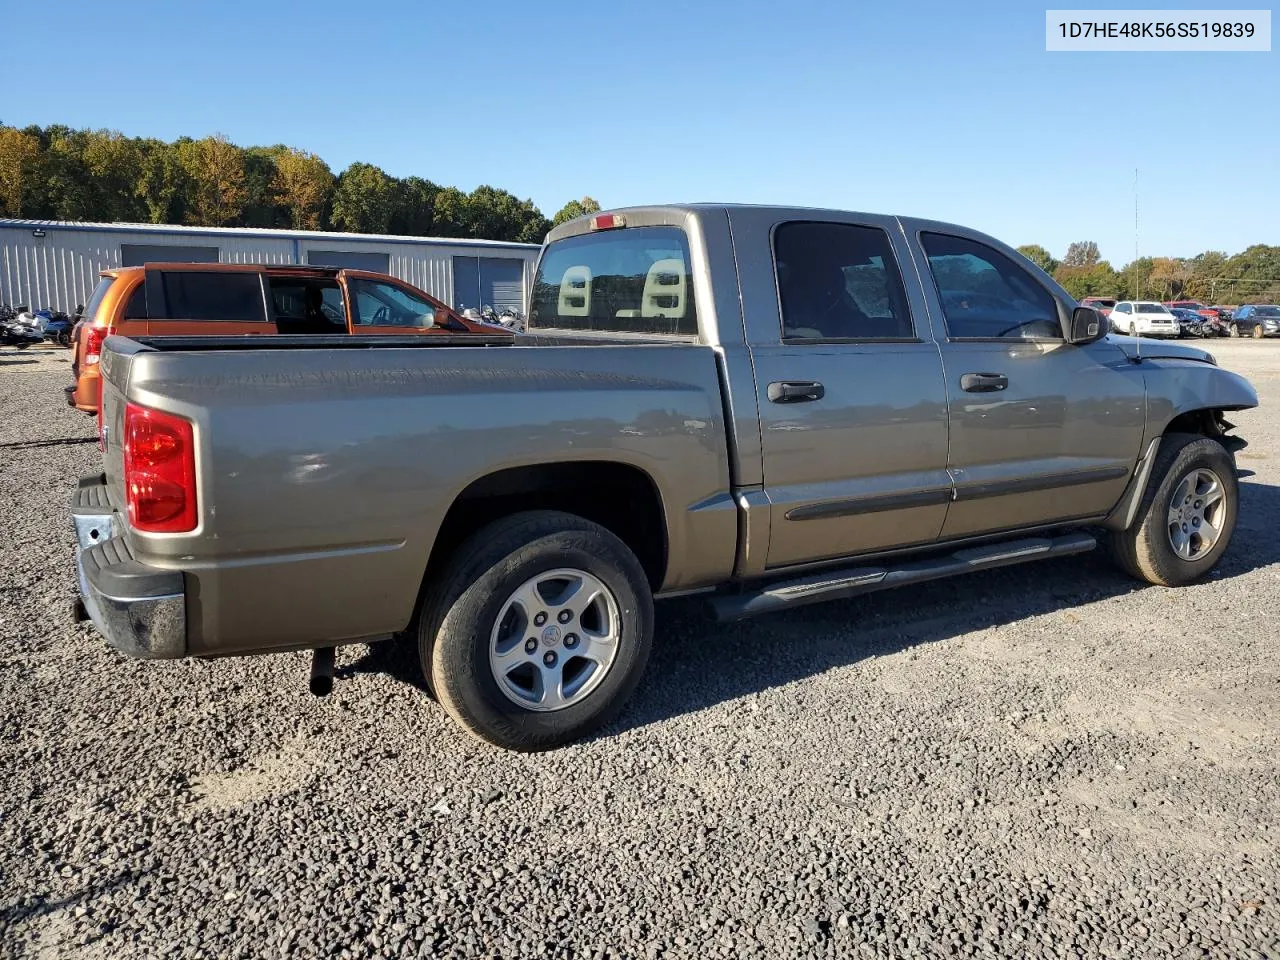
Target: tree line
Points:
(58, 173)
(1213, 277)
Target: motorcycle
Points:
(508, 319)
(57, 327)
(21, 331)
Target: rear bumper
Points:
(139, 609)
(85, 393)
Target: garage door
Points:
(136, 254)
(496, 282)
(350, 260)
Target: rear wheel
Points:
(1187, 514)
(539, 630)
(1234, 330)
(1257, 331)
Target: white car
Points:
(1143, 318)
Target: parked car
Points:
(1256, 320)
(1190, 323)
(1143, 318)
(769, 407)
(1196, 305)
(1104, 305)
(197, 299)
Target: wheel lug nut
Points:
(539, 619)
(531, 645)
(565, 616)
(549, 658)
(571, 640)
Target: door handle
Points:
(794, 391)
(983, 382)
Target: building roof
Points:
(175, 229)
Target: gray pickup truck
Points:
(770, 406)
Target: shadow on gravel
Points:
(19, 913)
(55, 442)
(14, 363)
(697, 662)
(396, 658)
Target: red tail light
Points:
(159, 470)
(93, 338)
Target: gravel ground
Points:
(1042, 761)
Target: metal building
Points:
(53, 264)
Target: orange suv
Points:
(192, 299)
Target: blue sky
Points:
(946, 110)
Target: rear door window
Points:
(205, 295)
(839, 281)
(307, 305)
(632, 280)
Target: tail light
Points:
(93, 338)
(159, 470)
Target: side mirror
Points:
(1087, 325)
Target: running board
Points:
(853, 581)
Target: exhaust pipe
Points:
(322, 671)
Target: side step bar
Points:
(852, 581)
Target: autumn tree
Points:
(1032, 251)
(1096, 280)
(1082, 253)
(216, 170)
(113, 163)
(578, 208)
(19, 157)
(364, 199)
(162, 182)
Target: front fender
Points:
(1180, 386)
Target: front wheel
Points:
(1133, 330)
(1187, 514)
(539, 630)
(1233, 330)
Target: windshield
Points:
(1152, 308)
(633, 280)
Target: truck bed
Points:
(327, 466)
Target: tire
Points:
(463, 621)
(1133, 329)
(1146, 550)
(1233, 330)
(1258, 332)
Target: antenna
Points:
(1137, 334)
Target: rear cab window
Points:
(631, 280)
